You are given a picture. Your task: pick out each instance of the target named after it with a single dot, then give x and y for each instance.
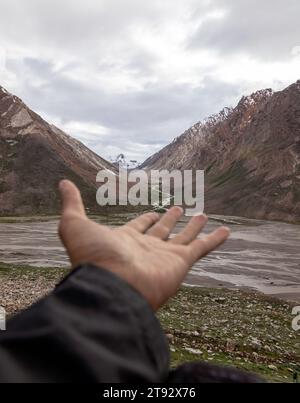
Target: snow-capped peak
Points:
(121, 161)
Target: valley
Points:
(260, 255)
(232, 309)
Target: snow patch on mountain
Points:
(123, 162)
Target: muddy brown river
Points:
(260, 255)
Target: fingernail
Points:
(62, 184)
(179, 209)
(226, 229)
(200, 215)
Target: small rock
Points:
(255, 343)
(230, 345)
(169, 336)
(220, 300)
(193, 351)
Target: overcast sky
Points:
(127, 76)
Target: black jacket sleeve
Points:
(93, 328)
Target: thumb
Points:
(71, 198)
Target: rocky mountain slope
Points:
(34, 156)
(251, 155)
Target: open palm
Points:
(140, 252)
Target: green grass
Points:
(21, 219)
(26, 272)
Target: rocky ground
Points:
(245, 330)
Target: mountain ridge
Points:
(34, 156)
(250, 153)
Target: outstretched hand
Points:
(140, 252)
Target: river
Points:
(259, 255)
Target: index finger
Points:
(201, 247)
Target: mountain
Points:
(34, 156)
(121, 161)
(250, 153)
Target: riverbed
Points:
(259, 255)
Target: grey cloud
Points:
(154, 115)
(78, 26)
(267, 29)
(47, 40)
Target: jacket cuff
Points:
(115, 291)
